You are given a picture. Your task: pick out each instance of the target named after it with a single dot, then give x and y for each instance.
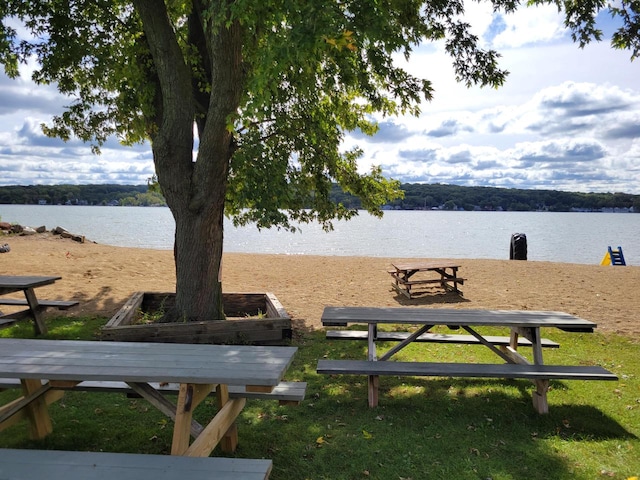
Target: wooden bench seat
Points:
(479, 370)
(69, 465)
(59, 304)
(403, 281)
(432, 338)
(287, 393)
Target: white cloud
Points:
(532, 25)
(571, 136)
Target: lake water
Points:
(557, 237)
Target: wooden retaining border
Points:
(271, 327)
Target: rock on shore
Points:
(23, 230)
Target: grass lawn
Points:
(423, 429)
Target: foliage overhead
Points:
(312, 71)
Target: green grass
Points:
(423, 428)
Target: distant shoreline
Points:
(416, 197)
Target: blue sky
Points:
(566, 119)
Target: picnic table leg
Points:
(540, 402)
(38, 322)
(539, 398)
(513, 339)
(39, 420)
(229, 442)
(374, 383)
(184, 415)
(455, 281)
(371, 341)
(372, 356)
(189, 397)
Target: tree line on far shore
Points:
(94, 195)
(416, 197)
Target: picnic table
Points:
(525, 324)
(35, 307)
(404, 281)
(47, 368)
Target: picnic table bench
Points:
(46, 368)
(386, 336)
(286, 393)
(35, 307)
(525, 324)
(68, 465)
(403, 274)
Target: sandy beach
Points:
(102, 277)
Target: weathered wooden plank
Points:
(59, 304)
(32, 391)
(239, 331)
(143, 362)
(155, 398)
(251, 318)
(433, 338)
(127, 312)
(15, 283)
(40, 425)
(288, 392)
(285, 392)
(217, 428)
(339, 316)
(427, 281)
(65, 465)
(274, 307)
(422, 265)
(49, 397)
(479, 370)
(11, 318)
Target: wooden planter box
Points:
(272, 328)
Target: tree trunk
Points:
(198, 252)
(195, 190)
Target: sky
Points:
(566, 119)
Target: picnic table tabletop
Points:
(144, 362)
(13, 283)
(423, 265)
(455, 317)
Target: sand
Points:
(102, 277)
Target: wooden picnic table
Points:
(27, 284)
(403, 274)
(48, 367)
(520, 323)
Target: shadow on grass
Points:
(423, 429)
(430, 297)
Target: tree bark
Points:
(195, 190)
